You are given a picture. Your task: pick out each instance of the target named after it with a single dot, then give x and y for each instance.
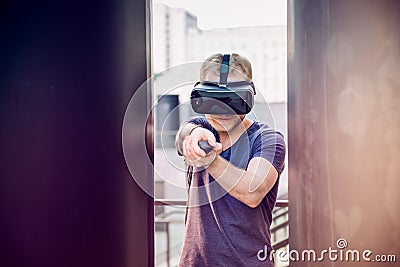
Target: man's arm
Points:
(248, 186)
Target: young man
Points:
(233, 188)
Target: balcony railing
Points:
(169, 227)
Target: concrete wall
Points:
(344, 126)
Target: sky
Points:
(228, 14)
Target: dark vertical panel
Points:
(167, 115)
(344, 123)
(66, 196)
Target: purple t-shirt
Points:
(221, 230)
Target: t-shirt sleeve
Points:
(270, 145)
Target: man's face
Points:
(225, 122)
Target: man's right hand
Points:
(194, 154)
(199, 134)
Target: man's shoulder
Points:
(269, 143)
(263, 130)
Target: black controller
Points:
(205, 146)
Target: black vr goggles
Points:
(223, 97)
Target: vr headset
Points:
(223, 97)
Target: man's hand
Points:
(193, 154)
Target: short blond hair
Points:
(236, 62)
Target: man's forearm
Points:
(239, 183)
(235, 181)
